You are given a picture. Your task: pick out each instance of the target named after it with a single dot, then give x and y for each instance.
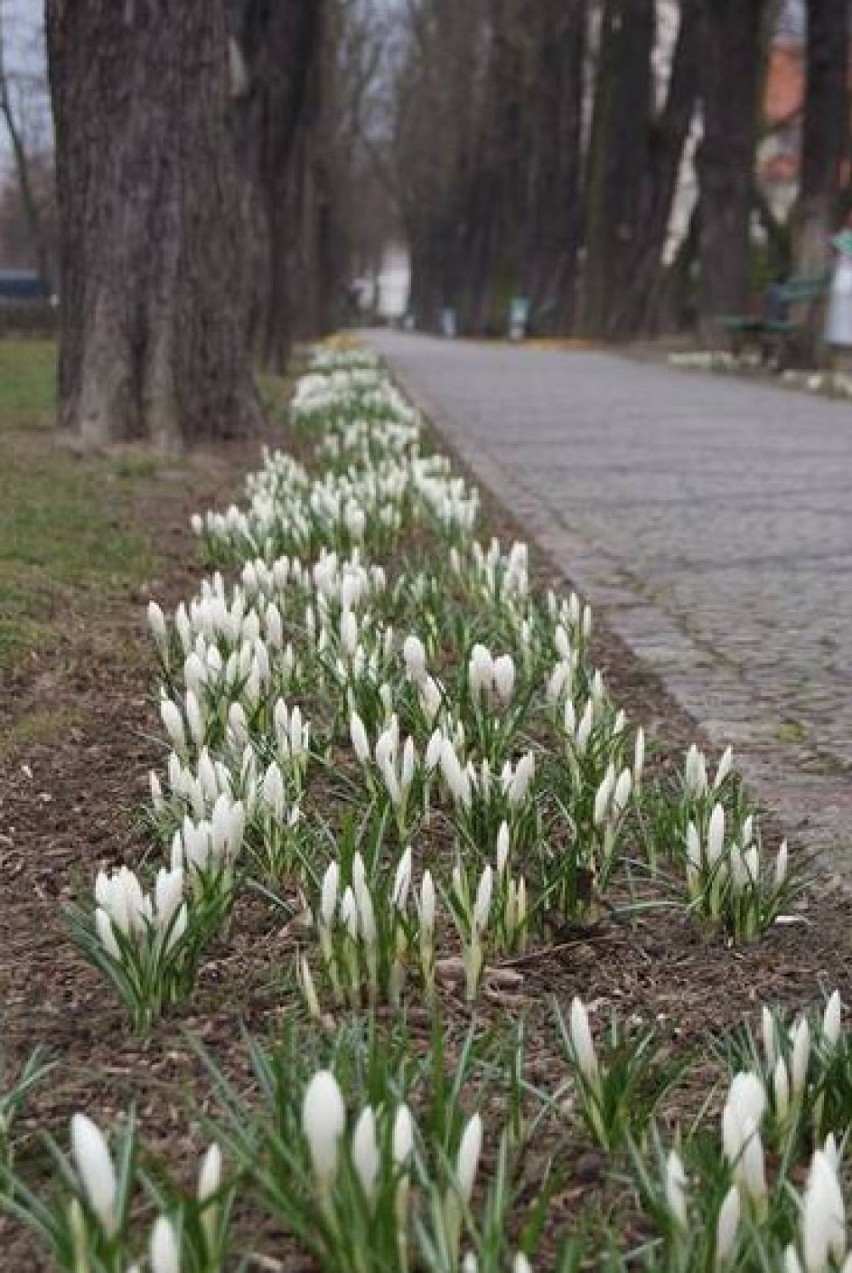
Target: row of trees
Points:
(222, 168)
(539, 145)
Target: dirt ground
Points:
(72, 803)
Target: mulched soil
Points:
(72, 805)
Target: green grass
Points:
(27, 384)
(65, 531)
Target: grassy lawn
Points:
(65, 534)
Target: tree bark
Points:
(280, 45)
(825, 132)
(637, 307)
(153, 290)
(730, 78)
(617, 164)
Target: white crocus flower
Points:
(523, 776)
(638, 759)
(164, 1250)
(157, 626)
(675, 1190)
(503, 846)
(402, 881)
(727, 1225)
(831, 1020)
(106, 935)
(467, 1159)
(414, 656)
(781, 864)
(582, 1042)
(715, 835)
(365, 1152)
(427, 902)
(768, 1035)
(403, 1136)
(725, 765)
(603, 796)
(823, 1217)
(622, 792)
(210, 1175)
(800, 1057)
(433, 751)
(781, 1090)
(504, 677)
(173, 724)
(584, 729)
(323, 1122)
(482, 903)
(94, 1165)
(358, 735)
(695, 773)
(328, 898)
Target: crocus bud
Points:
(427, 901)
(164, 1251)
(831, 1020)
(725, 766)
(482, 904)
(92, 1159)
(402, 881)
(800, 1057)
(157, 626)
(358, 735)
(781, 865)
(414, 655)
(210, 1175)
(503, 845)
(104, 929)
(308, 988)
(330, 886)
(823, 1217)
(323, 1121)
(173, 723)
(622, 792)
(727, 1225)
(781, 1090)
(504, 677)
(365, 1151)
(581, 1040)
(715, 834)
(467, 1160)
(638, 758)
(403, 1135)
(675, 1189)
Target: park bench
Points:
(775, 335)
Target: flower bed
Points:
(832, 384)
(379, 727)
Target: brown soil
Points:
(72, 804)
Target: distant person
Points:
(838, 317)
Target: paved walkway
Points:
(708, 519)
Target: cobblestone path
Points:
(708, 519)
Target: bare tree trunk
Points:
(637, 308)
(825, 134)
(617, 164)
(279, 45)
(154, 301)
(730, 77)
